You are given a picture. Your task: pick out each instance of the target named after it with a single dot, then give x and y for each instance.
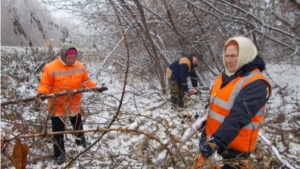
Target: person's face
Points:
(195, 60)
(231, 58)
(70, 59)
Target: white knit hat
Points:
(247, 52)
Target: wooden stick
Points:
(93, 89)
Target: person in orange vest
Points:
(177, 74)
(236, 104)
(63, 74)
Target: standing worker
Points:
(236, 105)
(63, 74)
(177, 74)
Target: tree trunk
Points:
(156, 58)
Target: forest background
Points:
(138, 39)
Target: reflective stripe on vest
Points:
(83, 83)
(68, 72)
(221, 102)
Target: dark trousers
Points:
(176, 92)
(58, 125)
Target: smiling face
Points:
(231, 58)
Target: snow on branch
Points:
(275, 151)
(163, 156)
(68, 92)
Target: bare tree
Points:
(153, 34)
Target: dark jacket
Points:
(254, 94)
(181, 69)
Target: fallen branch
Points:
(188, 134)
(155, 105)
(275, 151)
(93, 89)
(65, 132)
(125, 130)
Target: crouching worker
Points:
(62, 74)
(236, 105)
(177, 74)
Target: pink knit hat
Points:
(71, 51)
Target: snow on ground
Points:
(143, 110)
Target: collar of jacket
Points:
(245, 70)
(63, 63)
(190, 57)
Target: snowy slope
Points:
(146, 127)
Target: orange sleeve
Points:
(46, 82)
(86, 80)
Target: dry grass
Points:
(140, 136)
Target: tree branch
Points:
(93, 89)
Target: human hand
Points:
(191, 95)
(207, 146)
(38, 101)
(102, 89)
(210, 144)
(39, 97)
(192, 91)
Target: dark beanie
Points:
(198, 55)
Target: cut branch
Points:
(103, 88)
(275, 151)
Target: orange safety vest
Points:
(221, 102)
(58, 77)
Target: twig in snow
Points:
(275, 151)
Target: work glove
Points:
(210, 144)
(192, 95)
(102, 89)
(189, 93)
(192, 91)
(207, 146)
(38, 101)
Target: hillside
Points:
(146, 126)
